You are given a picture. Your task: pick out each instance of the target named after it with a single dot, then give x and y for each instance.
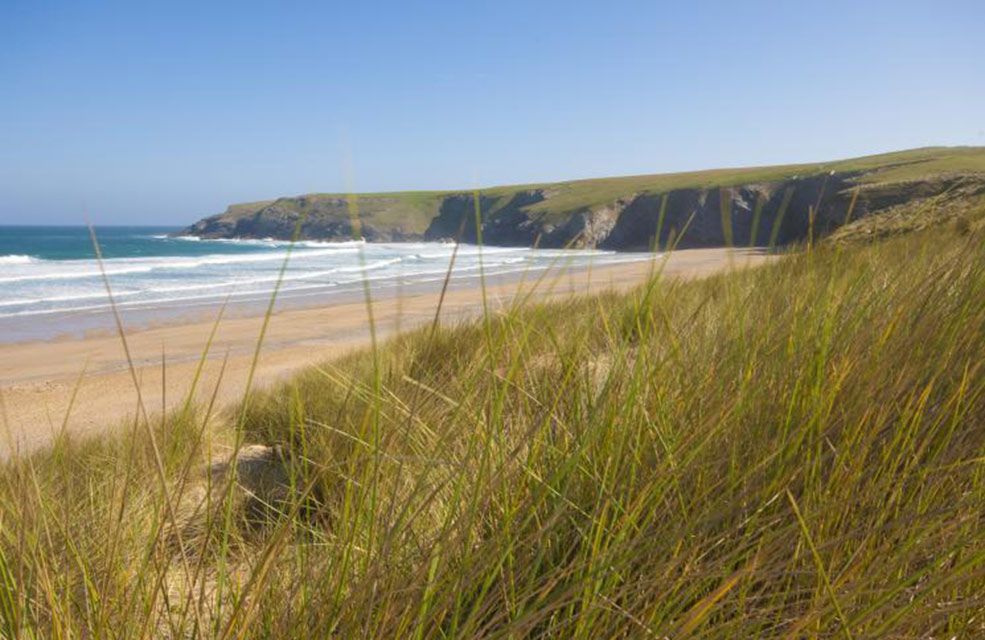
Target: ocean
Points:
(51, 283)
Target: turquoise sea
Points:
(51, 283)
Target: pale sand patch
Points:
(37, 379)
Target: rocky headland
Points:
(758, 206)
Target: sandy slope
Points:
(37, 380)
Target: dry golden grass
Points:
(791, 451)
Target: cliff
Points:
(760, 206)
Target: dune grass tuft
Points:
(792, 451)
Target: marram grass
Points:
(795, 451)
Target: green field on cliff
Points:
(789, 451)
(413, 210)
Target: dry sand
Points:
(37, 380)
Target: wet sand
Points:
(38, 379)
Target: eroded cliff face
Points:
(755, 214)
(760, 214)
(505, 221)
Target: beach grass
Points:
(791, 451)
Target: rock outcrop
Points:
(320, 218)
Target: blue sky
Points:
(159, 113)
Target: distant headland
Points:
(758, 206)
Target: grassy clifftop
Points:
(901, 166)
(619, 212)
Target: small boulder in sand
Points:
(261, 477)
(260, 491)
(261, 474)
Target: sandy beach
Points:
(38, 379)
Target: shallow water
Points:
(51, 283)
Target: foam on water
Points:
(151, 270)
(16, 259)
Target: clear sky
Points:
(161, 112)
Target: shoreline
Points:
(41, 328)
(38, 378)
(307, 283)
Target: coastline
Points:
(59, 294)
(38, 378)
